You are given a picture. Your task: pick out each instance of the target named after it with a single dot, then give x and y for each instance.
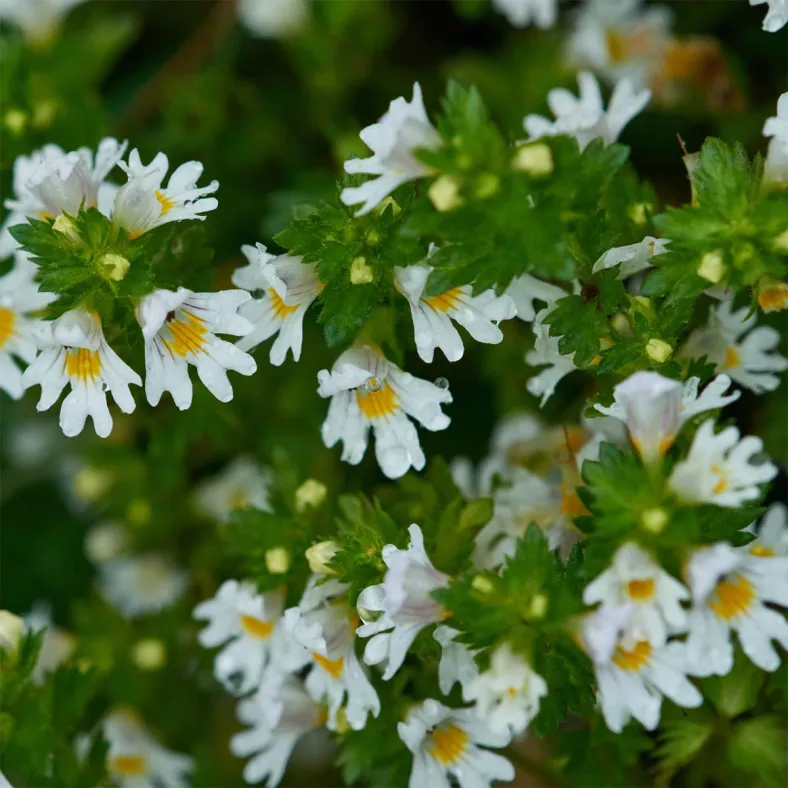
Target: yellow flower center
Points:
(445, 301)
(377, 404)
(634, 660)
(83, 364)
(7, 319)
(166, 203)
(732, 358)
(640, 590)
(128, 766)
(448, 744)
(256, 627)
(722, 484)
(762, 551)
(732, 597)
(773, 299)
(281, 309)
(188, 335)
(333, 667)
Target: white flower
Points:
(75, 351)
(51, 181)
(392, 141)
(457, 665)
(776, 16)
(19, 298)
(143, 203)
(743, 354)
(772, 537)
(290, 286)
(136, 760)
(404, 601)
(433, 315)
(508, 693)
(39, 20)
(141, 584)
(367, 391)
(57, 645)
(719, 468)
(448, 742)
(526, 289)
(633, 258)
(325, 625)
(272, 18)
(241, 484)
(245, 623)
(634, 577)
(180, 329)
(655, 408)
(105, 541)
(546, 352)
(621, 38)
(776, 164)
(729, 588)
(522, 13)
(272, 736)
(585, 118)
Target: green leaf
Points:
(737, 692)
(758, 747)
(681, 738)
(581, 326)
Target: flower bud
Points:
(318, 556)
(712, 266)
(445, 193)
(654, 520)
(780, 243)
(139, 512)
(15, 121)
(114, 266)
(486, 185)
(658, 350)
(538, 607)
(66, 226)
(89, 484)
(310, 494)
(149, 654)
(535, 159)
(482, 584)
(360, 272)
(11, 630)
(637, 212)
(277, 560)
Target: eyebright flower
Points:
(633, 258)
(634, 577)
(448, 742)
(52, 181)
(522, 13)
(404, 601)
(244, 623)
(392, 140)
(141, 584)
(19, 298)
(75, 351)
(743, 354)
(367, 391)
(776, 15)
(654, 408)
(241, 484)
(719, 468)
(776, 165)
(621, 38)
(324, 625)
(180, 329)
(57, 645)
(771, 538)
(585, 118)
(729, 590)
(143, 203)
(275, 729)
(433, 315)
(508, 693)
(456, 665)
(272, 19)
(290, 286)
(546, 352)
(135, 759)
(39, 20)
(526, 289)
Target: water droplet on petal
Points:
(441, 383)
(373, 384)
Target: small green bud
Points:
(535, 159)
(780, 243)
(149, 654)
(66, 226)
(15, 121)
(712, 266)
(372, 238)
(658, 350)
(538, 607)
(389, 202)
(444, 193)
(654, 520)
(486, 185)
(44, 113)
(138, 512)
(637, 212)
(114, 266)
(318, 556)
(310, 493)
(277, 560)
(482, 584)
(360, 272)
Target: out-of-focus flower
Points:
(39, 20)
(242, 483)
(775, 168)
(272, 18)
(776, 14)
(521, 13)
(141, 584)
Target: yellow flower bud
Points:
(310, 494)
(658, 351)
(360, 272)
(15, 121)
(318, 556)
(139, 512)
(114, 266)
(654, 520)
(89, 484)
(445, 193)
(11, 629)
(538, 607)
(277, 560)
(482, 584)
(712, 266)
(66, 226)
(535, 159)
(149, 654)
